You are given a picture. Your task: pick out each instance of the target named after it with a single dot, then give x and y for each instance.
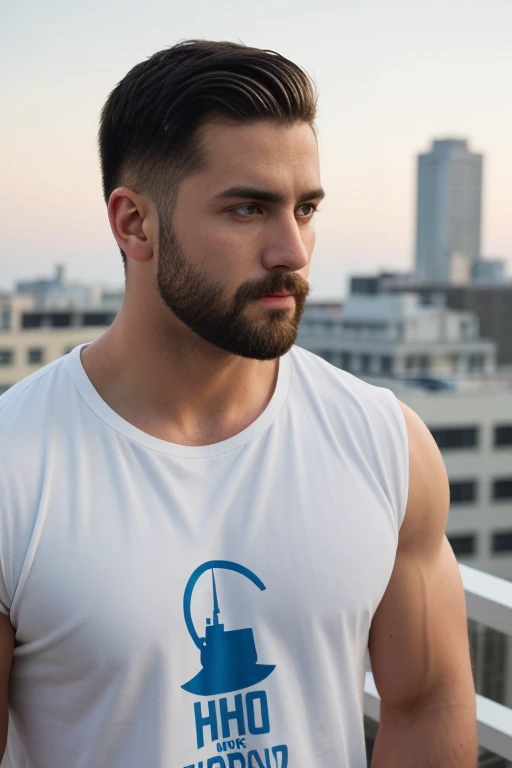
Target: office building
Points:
(448, 217)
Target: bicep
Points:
(418, 640)
(6, 651)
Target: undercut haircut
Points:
(148, 135)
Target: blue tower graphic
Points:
(228, 657)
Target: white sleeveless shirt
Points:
(196, 607)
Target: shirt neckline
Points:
(120, 425)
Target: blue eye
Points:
(249, 209)
(310, 209)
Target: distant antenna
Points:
(216, 609)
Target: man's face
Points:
(234, 261)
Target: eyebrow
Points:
(267, 196)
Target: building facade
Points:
(388, 335)
(448, 216)
(32, 335)
(491, 303)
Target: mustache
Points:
(275, 282)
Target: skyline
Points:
(390, 80)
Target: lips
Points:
(278, 301)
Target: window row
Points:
(33, 355)
(365, 363)
(469, 437)
(466, 491)
(31, 320)
(466, 543)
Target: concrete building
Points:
(490, 271)
(489, 300)
(473, 428)
(388, 335)
(34, 333)
(448, 218)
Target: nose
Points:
(289, 245)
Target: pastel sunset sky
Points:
(391, 75)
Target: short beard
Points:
(199, 303)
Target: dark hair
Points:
(149, 124)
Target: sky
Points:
(391, 77)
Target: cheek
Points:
(310, 239)
(221, 252)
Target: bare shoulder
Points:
(429, 497)
(418, 638)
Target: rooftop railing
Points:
(488, 601)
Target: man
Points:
(203, 527)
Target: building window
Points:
(365, 363)
(99, 319)
(410, 362)
(502, 541)
(502, 489)
(326, 354)
(462, 491)
(46, 320)
(60, 320)
(6, 356)
(34, 355)
(346, 361)
(463, 544)
(32, 320)
(5, 318)
(476, 363)
(455, 437)
(502, 435)
(464, 329)
(424, 363)
(386, 364)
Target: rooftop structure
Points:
(490, 301)
(59, 293)
(398, 336)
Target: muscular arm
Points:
(6, 650)
(418, 641)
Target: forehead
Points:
(261, 154)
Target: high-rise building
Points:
(449, 203)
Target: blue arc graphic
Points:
(229, 659)
(226, 565)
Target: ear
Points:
(133, 222)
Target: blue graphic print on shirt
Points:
(229, 663)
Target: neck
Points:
(164, 379)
